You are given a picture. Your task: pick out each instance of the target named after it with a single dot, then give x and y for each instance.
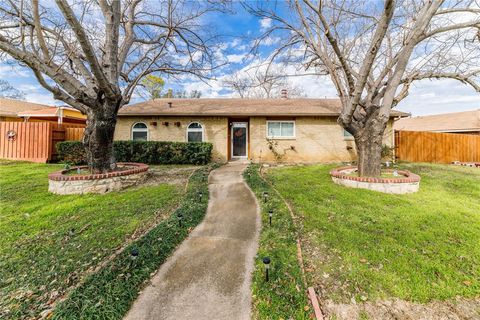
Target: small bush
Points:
(71, 152)
(150, 152)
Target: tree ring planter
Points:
(61, 182)
(406, 182)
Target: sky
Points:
(239, 29)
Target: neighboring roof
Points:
(49, 112)
(10, 107)
(448, 122)
(237, 107)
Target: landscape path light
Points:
(265, 196)
(266, 263)
(180, 217)
(270, 215)
(134, 253)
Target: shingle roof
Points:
(10, 107)
(237, 107)
(448, 122)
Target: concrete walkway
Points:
(209, 275)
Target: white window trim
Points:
(282, 137)
(140, 130)
(195, 130)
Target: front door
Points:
(239, 136)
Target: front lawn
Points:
(366, 245)
(49, 242)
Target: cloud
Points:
(439, 96)
(265, 23)
(236, 58)
(9, 71)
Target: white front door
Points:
(239, 140)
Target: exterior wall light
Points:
(266, 263)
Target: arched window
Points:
(194, 132)
(139, 132)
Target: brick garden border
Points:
(407, 182)
(408, 177)
(61, 175)
(61, 183)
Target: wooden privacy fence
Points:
(419, 146)
(74, 134)
(34, 141)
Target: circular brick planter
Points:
(61, 183)
(406, 182)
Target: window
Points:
(194, 132)
(280, 129)
(139, 132)
(347, 135)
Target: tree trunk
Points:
(369, 150)
(98, 140)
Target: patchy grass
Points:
(48, 242)
(283, 297)
(368, 245)
(109, 293)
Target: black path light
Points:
(270, 215)
(266, 262)
(180, 218)
(134, 253)
(265, 196)
(200, 195)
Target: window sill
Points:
(282, 138)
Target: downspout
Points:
(60, 115)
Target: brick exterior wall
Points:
(215, 131)
(318, 139)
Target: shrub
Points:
(150, 152)
(71, 152)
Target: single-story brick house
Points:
(296, 130)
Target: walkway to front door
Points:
(209, 275)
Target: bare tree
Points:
(9, 91)
(373, 52)
(92, 54)
(261, 82)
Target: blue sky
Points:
(239, 29)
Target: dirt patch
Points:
(396, 309)
(174, 175)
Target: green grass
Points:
(48, 241)
(365, 244)
(283, 297)
(109, 293)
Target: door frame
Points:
(243, 123)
